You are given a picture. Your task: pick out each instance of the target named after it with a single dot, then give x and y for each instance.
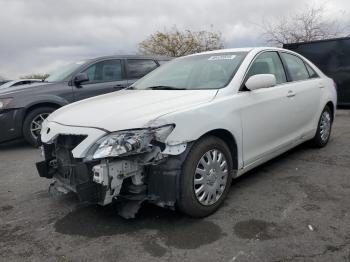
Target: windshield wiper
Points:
(165, 88)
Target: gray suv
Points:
(23, 108)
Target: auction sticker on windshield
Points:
(222, 57)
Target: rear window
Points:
(137, 68)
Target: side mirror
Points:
(80, 78)
(260, 81)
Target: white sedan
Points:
(178, 136)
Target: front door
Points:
(104, 77)
(266, 112)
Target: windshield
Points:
(207, 71)
(64, 71)
(8, 84)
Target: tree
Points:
(308, 25)
(175, 43)
(35, 76)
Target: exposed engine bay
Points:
(129, 167)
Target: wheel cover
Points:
(210, 177)
(325, 125)
(36, 124)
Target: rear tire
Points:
(324, 128)
(32, 124)
(204, 185)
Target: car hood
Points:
(8, 91)
(128, 109)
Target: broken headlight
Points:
(128, 142)
(5, 103)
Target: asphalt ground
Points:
(293, 208)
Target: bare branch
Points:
(177, 43)
(304, 26)
(35, 76)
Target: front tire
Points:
(324, 128)
(32, 124)
(206, 177)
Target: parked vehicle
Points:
(20, 82)
(187, 129)
(332, 56)
(23, 108)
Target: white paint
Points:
(50, 130)
(175, 149)
(260, 81)
(265, 122)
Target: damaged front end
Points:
(129, 166)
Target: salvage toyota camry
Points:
(178, 136)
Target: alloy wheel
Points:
(36, 124)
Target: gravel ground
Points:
(294, 208)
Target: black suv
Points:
(23, 108)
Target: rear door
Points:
(266, 112)
(305, 90)
(137, 68)
(104, 77)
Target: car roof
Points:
(244, 49)
(162, 58)
(27, 79)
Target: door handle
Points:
(320, 85)
(290, 93)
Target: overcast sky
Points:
(36, 36)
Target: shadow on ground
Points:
(175, 229)
(14, 144)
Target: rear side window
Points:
(268, 63)
(311, 72)
(296, 67)
(105, 71)
(137, 68)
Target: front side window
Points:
(105, 71)
(62, 73)
(268, 63)
(205, 71)
(137, 68)
(296, 67)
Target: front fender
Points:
(195, 122)
(47, 99)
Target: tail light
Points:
(335, 85)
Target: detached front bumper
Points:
(11, 124)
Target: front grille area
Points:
(68, 170)
(73, 173)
